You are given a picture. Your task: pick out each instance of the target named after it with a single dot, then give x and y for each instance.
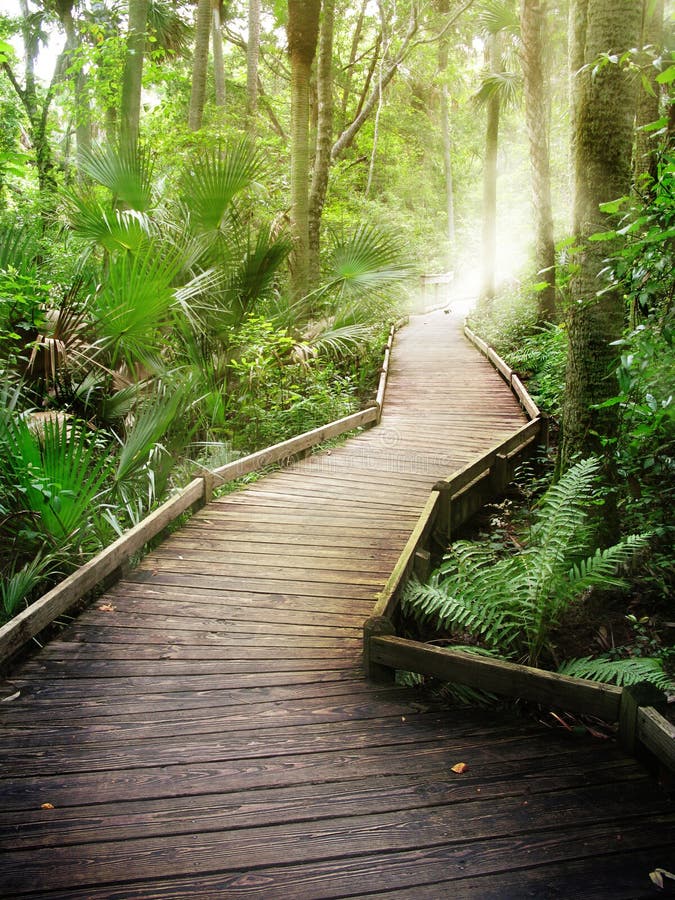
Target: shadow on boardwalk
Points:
(204, 730)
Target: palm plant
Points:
(513, 605)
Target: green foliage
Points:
(51, 475)
(513, 603)
(643, 449)
(541, 360)
(619, 671)
(539, 355)
(20, 583)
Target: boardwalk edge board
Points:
(452, 501)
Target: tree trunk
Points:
(602, 143)
(648, 99)
(82, 109)
(349, 77)
(532, 29)
(446, 140)
(200, 65)
(367, 104)
(303, 30)
(489, 232)
(132, 76)
(324, 139)
(488, 287)
(218, 63)
(252, 56)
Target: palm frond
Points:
(151, 424)
(58, 473)
(126, 172)
(18, 249)
(214, 178)
(170, 30)
(498, 15)
(134, 302)
(253, 278)
(368, 263)
(340, 342)
(110, 228)
(503, 86)
(619, 671)
(18, 585)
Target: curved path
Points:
(204, 729)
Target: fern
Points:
(513, 603)
(619, 671)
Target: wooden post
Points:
(499, 474)
(376, 625)
(633, 697)
(422, 564)
(443, 518)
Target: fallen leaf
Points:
(658, 875)
(47, 806)
(107, 607)
(460, 768)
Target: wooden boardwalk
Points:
(204, 729)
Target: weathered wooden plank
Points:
(381, 794)
(658, 735)
(521, 439)
(404, 565)
(522, 394)
(537, 685)
(531, 838)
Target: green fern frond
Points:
(600, 570)
(619, 671)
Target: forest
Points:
(212, 212)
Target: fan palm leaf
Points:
(127, 172)
(134, 303)
(112, 229)
(58, 473)
(213, 180)
(365, 264)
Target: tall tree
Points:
(200, 65)
(218, 61)
(498, 89)
(532, 31)
(446, 140)
(64, 9)
(324, 137)
(651, 42)
(132, 75)
(252, 57)
(302, 31)
(604, 113)
(35, 100)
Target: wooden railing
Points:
(435, 282)
(110, 564)
(452, 501)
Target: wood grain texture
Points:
(204, 729)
